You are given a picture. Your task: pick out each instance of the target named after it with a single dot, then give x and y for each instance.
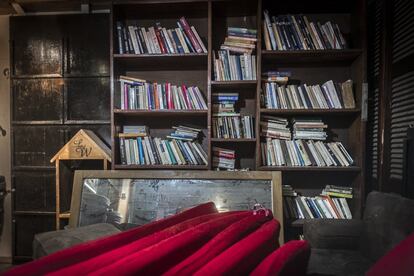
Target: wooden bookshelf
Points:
(211, 18)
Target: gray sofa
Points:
(350, 247)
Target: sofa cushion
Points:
(337, 262)
(51, 242)
(399, 261)
(244, 256)
(290, 259)
(388, 219)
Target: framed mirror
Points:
(133, 198)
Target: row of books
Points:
(138, 148)
(291, 153)
(329, 95)
(133, 39)
(159, 96)
(233, 125)
(323, 206)
(296, 32)
(228, 67)
(309, 129)
(223, 158)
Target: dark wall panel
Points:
(36, 52)
(25, 229)
(37, 100)
(35, 191)
(36, 145)
(88, 99)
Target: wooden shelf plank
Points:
(310, 168)
(149, 167)
(163, 112)
(241, 140)
(164, 61)
(343, 111)
(323, 57)
(235, 83)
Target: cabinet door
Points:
(34, 191)
(86, 44)
(36, 52)
(88, 99)
(38, 100)
(36, 145)
(25, 227)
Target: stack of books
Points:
(227, 123)
(139, 94)
(275, 127)
(133, 39)
(329, 95)
(323, 206)
(234, 60)
(309, 129)
(296, 32)
(338, 191)
(292, 153)
(223, 158)
(185, 133)
(138, 148)
(280, 77)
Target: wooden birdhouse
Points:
(85, 151)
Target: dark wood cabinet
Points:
(86, 45)
(46, 93)
(60, 84)
(37, 45)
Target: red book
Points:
(224, 155)
(160, 41)
(184, 89)
(191, 36)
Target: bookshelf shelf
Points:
(166, 167)
(234, 84)
(321, 57)
(163, 112)
(309, 168)
(156, 61)
(353, 111)
(231, 140)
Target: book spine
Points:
(191, 36)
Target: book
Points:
(223, 158)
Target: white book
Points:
(325, 211)
(338, 207)
(149, 150)
(339, 154)
(199, 39)
(200, 154)
(182, 40)
(146, 40)
(154, 40)
(157, 143)
(254, 75)
(315, 155)
(342, 148)
(190, 153)
(146, 153)
(136, 151)
(127, 152)
(174, 152)
(133, 36)
(330, 208)
(268, 25)
(306, 207)
(345, 205)
(300, 213)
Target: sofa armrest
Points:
(51, 242)
(333, 233)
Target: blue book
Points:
(177, 42)
(239, 68)
(170, 153)
(184, 152)
(301, 161)
(140, 151)
(311, 208)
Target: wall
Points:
(5, 240)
